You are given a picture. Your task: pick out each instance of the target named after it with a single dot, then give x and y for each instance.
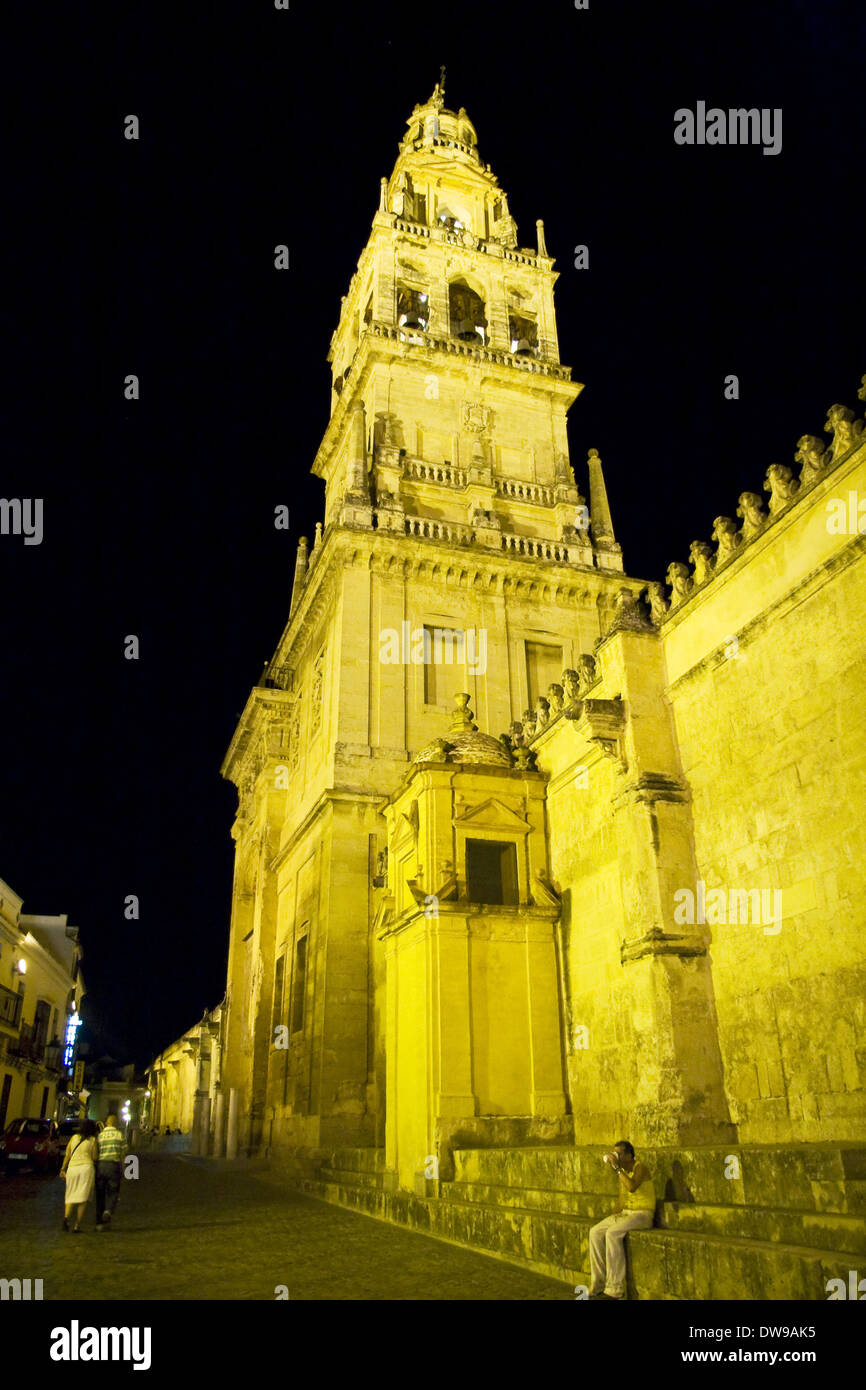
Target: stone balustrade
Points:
(455, 347)
(447, 473)
(520, 491)
(429, 528)
(537, 548)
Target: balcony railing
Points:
(26, 1046)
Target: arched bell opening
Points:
(523, 333)
(413, 308)
(466, 312)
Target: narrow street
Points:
(188, 1230)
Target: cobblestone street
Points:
(188, 1230)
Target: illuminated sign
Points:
(73, 1023)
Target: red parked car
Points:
(30, 1144)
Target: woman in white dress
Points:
(79, 1171)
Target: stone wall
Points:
(767, 685)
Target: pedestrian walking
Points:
(79, 1172)
(111, 1151)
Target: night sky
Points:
(261, 127)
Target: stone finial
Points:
(727, 538)
(845, 429)
(317, 538)
(383, 195)
(554, 697)
(542, 713)
(571, 686)
(628, 615)
(462, 720)
(701, 559)
(751, 510)
(356, 466)
(658, 604)
(542, 245)
(599, 508)
(389, 429)
(300, 573)
(861, 394)
(516, 732)
(587, 671)
(781, 485)
(680, 582)
(813, 457)
(524, 758)
(563, 471)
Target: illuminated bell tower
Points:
(449, 400)
(450, 504)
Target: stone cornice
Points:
(657, 942)
(651, 787)
(263, 705)
(328, 798)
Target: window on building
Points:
(543, 668)
(299, 984)
(44, 1106)
(491, 871)
(279, 981)
(41, 1019)
(421, 208)
(442, 647)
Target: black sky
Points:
(260, 127)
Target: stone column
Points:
(232, 1127)
(204, 1127)
(219, 1135)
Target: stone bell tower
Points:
(451, 513)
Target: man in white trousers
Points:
(634, 1211)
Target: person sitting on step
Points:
(635, 1210)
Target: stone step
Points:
(678, 1265)
(369, 1160)
(592, 1205)
(663, 1263)
(348, 1177)
(821, 1230)
(804, 1177)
